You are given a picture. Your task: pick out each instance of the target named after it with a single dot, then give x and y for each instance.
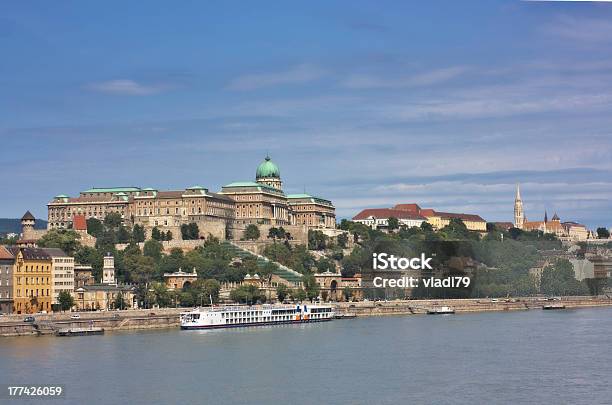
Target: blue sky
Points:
(447, 104)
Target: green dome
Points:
(267, 169)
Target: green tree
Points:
(153, 248)
(113, 220)
(603, 233)
(64, 239)
(311, 287)
(558, 279)
(119, 302)
(190, 231)
(65, 300)
(317, 240)
(123, 235)
(156, 234)
(138, 233)
(94, 227)
(342, 240)
(252, 232)
(298, 294)
(247, 294)
(347, 293)
(90, 256)
(273, 233)
(168, 236)
(393, 223)
(282, 291)
(324, 265)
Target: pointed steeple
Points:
(519, 215)
(545, 216)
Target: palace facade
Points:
(237, 204)
(410, 215)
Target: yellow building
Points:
(439, 220)
(32, 280)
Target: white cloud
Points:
(594, 30)
(299, 74)
(363, 81)
(128, 87)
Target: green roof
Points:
(306, 196)
(253, 184)
(243, 184)
(267, 169)
(112, 190)
(195, 188)
(299, 196)
(62, 196)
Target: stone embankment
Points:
(48, 324)
(414, 307)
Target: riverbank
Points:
(48, 324)
(418, 307)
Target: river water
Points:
(519, 357)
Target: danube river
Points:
(519, 357)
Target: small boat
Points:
(553, 306)
(345, 315)
(80, 331)
(440, 311)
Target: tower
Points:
(519, 216)
(269, 174)
(27, 225)
(108, 271)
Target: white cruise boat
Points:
(241, 315)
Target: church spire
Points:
(545, 216)
(519, 216)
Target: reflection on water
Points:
(521, 357)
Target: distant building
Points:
(314, 212)
(564, 230)
(83, 275)
(264, 202)
(32, 280)
(260, 202)
(100, 296)
(179, 279)
(412, 215)
(7, 262)
(62, 272)
(28, 228)
(91, 297)
(108, 271)
(378, 218)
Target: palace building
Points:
(237, 204)
(410, 215)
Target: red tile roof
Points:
(79, 223)
(408, 207)
(5, 254)
(386, 213)
(427, 212)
